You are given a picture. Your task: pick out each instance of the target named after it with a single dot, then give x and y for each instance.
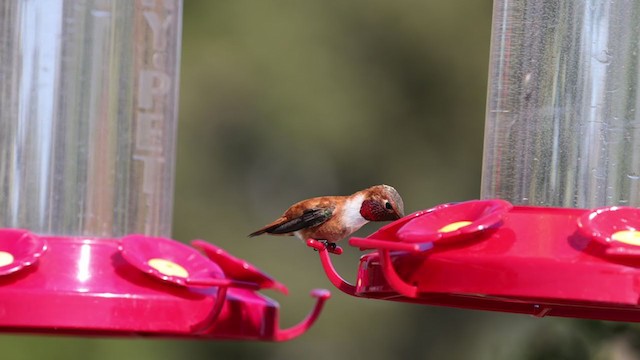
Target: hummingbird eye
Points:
(388, 205)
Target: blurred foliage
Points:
(284, 100)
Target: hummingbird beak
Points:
(398, 214)
(400, 208)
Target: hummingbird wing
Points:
(309, 218)
(289, 224)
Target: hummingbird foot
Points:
(332, 247)
(320, 245)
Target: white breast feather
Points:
(352, 218)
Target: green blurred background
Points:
(284, 100)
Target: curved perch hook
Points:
(367, 243)
(331, 272)
(216, 309)
(393, 278)
(223, 283)
(287, 334)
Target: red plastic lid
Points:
(136, 285)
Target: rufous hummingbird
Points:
(332, 218)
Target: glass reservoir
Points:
(563, 118)
(88, 106)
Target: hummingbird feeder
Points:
(557, 232)
(88, 99)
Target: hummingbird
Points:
(332, 218)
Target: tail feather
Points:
(267, 228)
(259, 232)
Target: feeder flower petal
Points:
(454, 222)
(19, 249)
(238, 269)
(614, 226)
(169, 260)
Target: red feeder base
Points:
(135, 286)
(489, 255)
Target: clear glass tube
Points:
(88, 114)
(563, 121)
